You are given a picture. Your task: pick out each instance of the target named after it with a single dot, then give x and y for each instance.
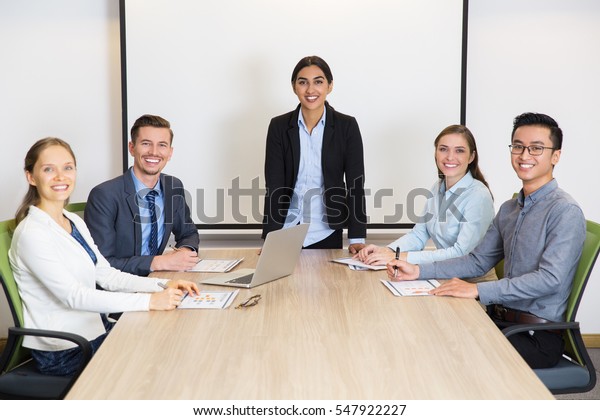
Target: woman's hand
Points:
(354, 248)
(375, 255)
(402, 270)
(166, 300)
(184, 285)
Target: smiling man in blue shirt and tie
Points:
(132, 216)
(540, 236)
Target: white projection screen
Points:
(220, 70)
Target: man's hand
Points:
(457, 288)
(181, 259)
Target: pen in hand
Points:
(397, 257)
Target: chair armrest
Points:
(82, 343)
(518, 328)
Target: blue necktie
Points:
(153, 241)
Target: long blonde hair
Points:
(32, 197)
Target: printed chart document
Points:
(211, 265)
(208, 300)
(357, 265)
(411, 287)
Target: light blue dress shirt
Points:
(307, 201)
(141, 191)
(307, 204)
(456, 220)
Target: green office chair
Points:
(77, 208)
(575, 372)
(499, 268)
(19, 378)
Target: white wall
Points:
(60, 76)
(396, 67)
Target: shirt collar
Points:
(301, 118)
(537, 195)
(460, 186)
(141, 190)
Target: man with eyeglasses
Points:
(540, 236)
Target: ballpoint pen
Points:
(397, 257)
(233, 264)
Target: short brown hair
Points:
(148, 120)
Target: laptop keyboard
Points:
(242, 280)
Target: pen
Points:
(161, 284)
(233, 264)
(397, 257)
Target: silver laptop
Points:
(277, 259)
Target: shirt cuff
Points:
(356, 241)
(426, 271)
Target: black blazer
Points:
(342, 157)
(112, 216)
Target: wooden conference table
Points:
(325, 332)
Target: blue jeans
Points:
(66, 362)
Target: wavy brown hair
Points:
(468, 136)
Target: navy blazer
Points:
(112, 216)
(342, 159)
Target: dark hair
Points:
(312, 60)
(542, 120)
(148, 120)
(473, 167)
(32, 197)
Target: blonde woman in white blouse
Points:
(57, 266)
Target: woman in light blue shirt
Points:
(458, 212)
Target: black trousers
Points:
(542, 349)
(333, 241)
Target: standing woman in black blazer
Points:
(314, 167)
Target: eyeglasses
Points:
(518, 149)
(251, 301)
